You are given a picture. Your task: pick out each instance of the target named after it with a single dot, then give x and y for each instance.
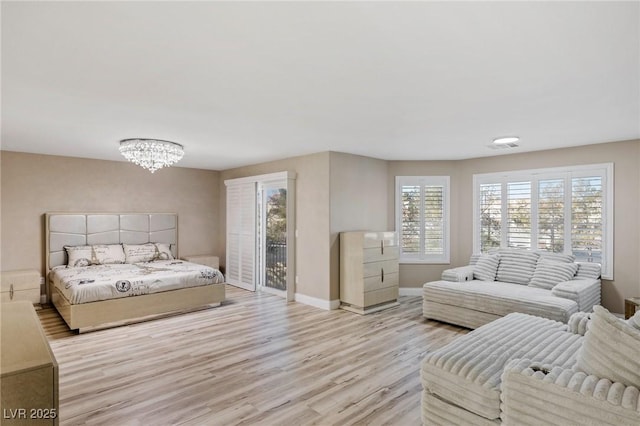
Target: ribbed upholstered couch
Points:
(527, 370)
(549, 285)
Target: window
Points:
(561, 210)
(422, 218)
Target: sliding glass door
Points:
(261, 233)
(272, 236)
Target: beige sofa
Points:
(527, 370)
(513, 280)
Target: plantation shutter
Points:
(519, 214)
(587, 218)
(551, 217)
(490, 216)
(411, 219)
(433, 219)
(241, 234)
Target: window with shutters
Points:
(561, 210)
(422, 218)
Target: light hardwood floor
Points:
(253, 360)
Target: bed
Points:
(111, 269)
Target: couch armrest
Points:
(579, 323)
(463, 273)
(585, 292)
(534, 395)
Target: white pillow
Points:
(588, 270)
(106, 254)
(486, 267)
(78, 256)
(548, 273)
(610, 349)
(164, 252)
(136, 253)
(516, 265)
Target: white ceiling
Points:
(240, 83)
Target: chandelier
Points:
(152, 154)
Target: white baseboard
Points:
(327, 305)
(410, 291)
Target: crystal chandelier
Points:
(152, 154)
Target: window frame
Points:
(604, 170)
(422, 257)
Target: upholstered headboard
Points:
(74, 229)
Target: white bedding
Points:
(103, 282)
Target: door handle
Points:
(381, 246)
(11, 292)
(382, 274)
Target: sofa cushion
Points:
(548, 273)
(611, 349)
(467, 372)
(499, 298)
(486, 267)
(588, 270)
(558, 257)
(516, 265)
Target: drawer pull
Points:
(11, 292)
(382, 274)
(381, 246)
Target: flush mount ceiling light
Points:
(506, 140)
(151, 154)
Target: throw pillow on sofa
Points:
(588, 270)
(486, 267)
(516, 266)
(610, 349)
(558, 257)
(548, 273)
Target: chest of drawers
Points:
(368, 271)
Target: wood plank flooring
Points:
(253, 360)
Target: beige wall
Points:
(33, 184)
(359, 202)
(312, 217)
(335, 192)
(626, 159)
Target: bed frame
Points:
(112, 228)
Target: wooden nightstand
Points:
(630, 306)
(20, 285)
(28, 369)
(204, 259)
